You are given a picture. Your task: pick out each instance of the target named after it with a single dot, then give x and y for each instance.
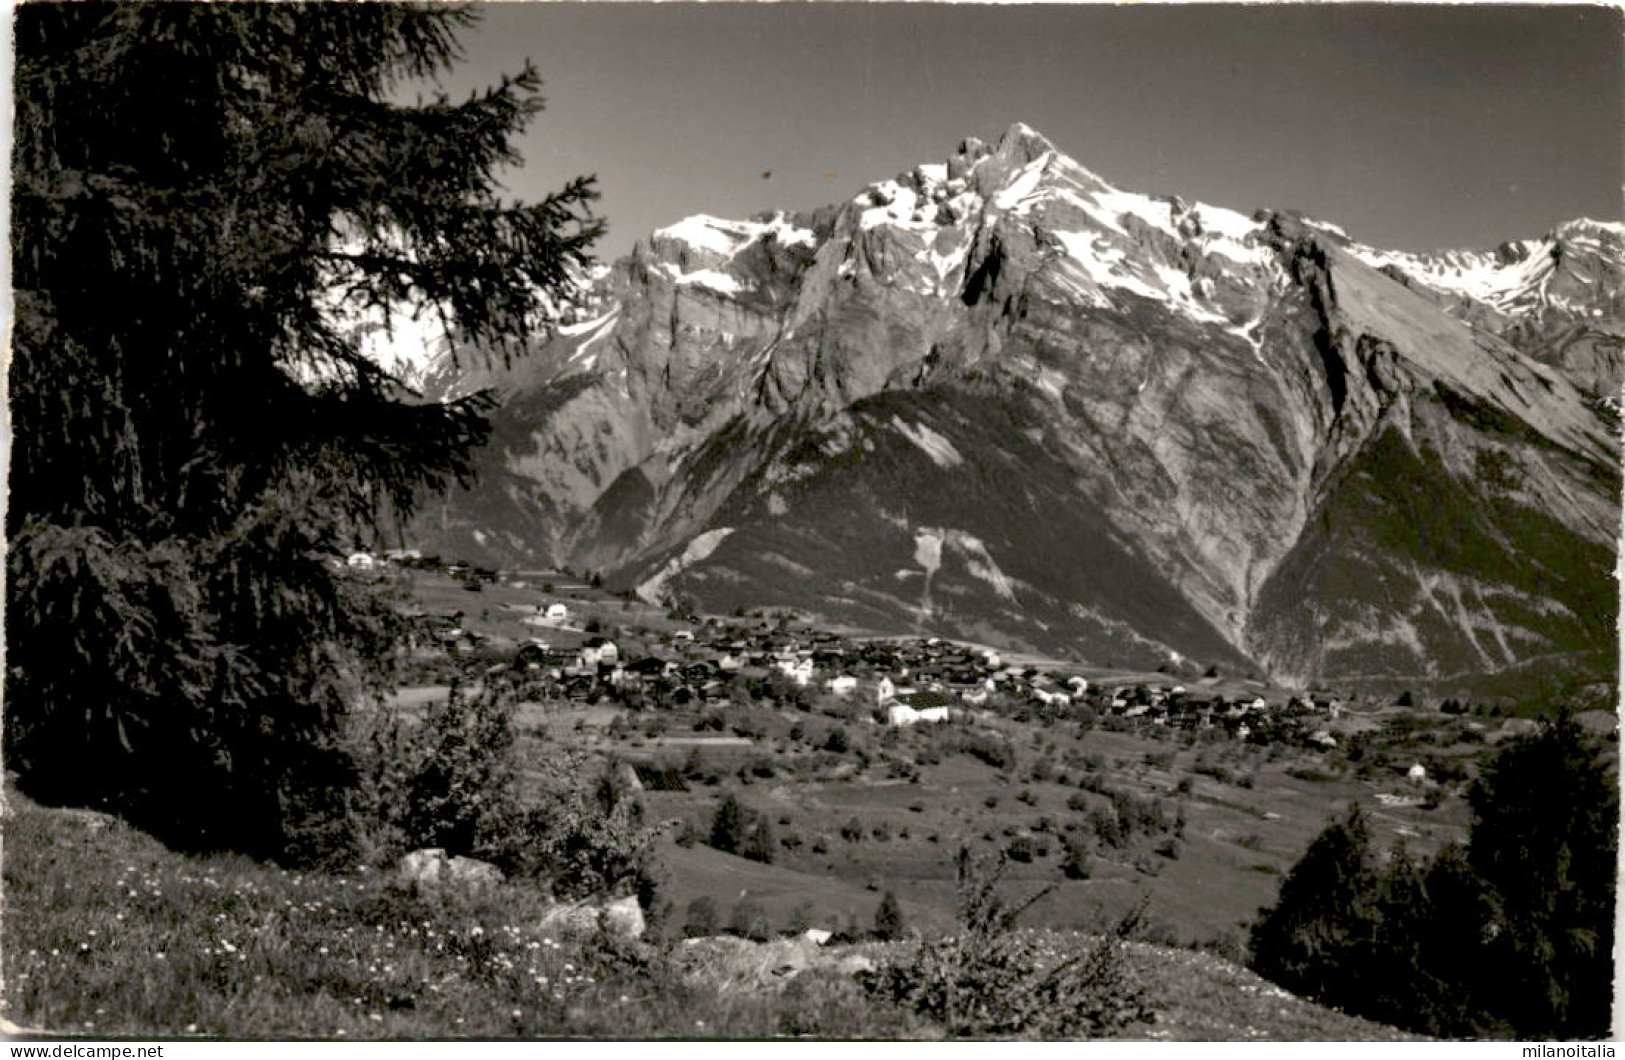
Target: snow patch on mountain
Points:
(1025, 182)
(595, 330)
(939, 449)
(585, 326)
(1479, 275)
(1104, 265)
(727, 238)
(405, 346)
(898, 206)
(945, 264)
(720, 282)
(1120, 204)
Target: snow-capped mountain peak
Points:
(1573, 271)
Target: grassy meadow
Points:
(108, 934)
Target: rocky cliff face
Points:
(999, 398)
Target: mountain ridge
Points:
(1178, 386)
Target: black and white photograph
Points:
(831, 521)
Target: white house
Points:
(599, 651)
(898, 714)
(557, 612)
(798, 670)
(361, 561)
(937, 714)
(886, 690)
(842, 685)
(1417, 772)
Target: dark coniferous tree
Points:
(728, 826)
(1454, 921)
(889, 922)
(1545, 842)
(196, 433)
(1316, 939)
(1510, 937)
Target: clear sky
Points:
(1412, 127)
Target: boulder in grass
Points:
(621, 916)
(854, 963)
(423, 866)
(624, 916)
(472, 872)
(431, 866)
(741, 963)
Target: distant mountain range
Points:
(1000, 399)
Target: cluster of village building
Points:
(901, 682)
(716, 662)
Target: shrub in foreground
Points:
(989, 980)
(455, 780)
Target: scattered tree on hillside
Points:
(1075, 865)
(197, 433)
(801, 918)
(749, 921)
(763, 844)
(701, 918)
(728, 826)
(889, 923)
